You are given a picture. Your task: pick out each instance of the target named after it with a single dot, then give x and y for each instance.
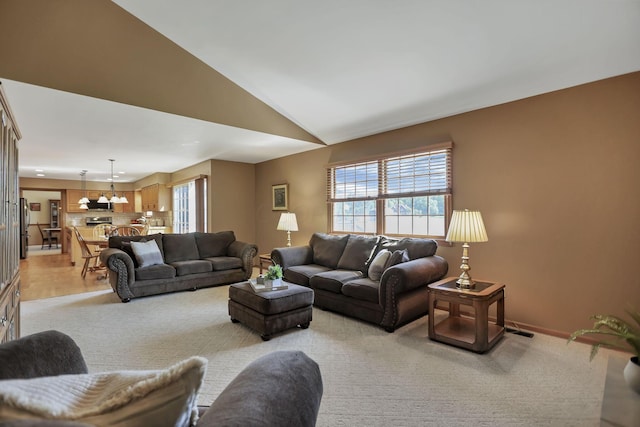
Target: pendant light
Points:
(83, 200)
(114, 197)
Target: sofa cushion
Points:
(416, 247)
(397, 257)
(124, 244)
(225, 262)
(160, 271)
(134, 398)
(333, 280)
(300, 274)
(180, 247)
(214, 244)
(147, 253)
(364, 289)
(377, 265)
(356, 252)
(192, 266)
(327, 248)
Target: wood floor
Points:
(46, 276)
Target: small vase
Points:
(632, 374)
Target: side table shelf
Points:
(472, 333)
(264, 261)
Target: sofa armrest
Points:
(41, 354)
(283, 388)
(290, 256)
(245, 251)
(121, 271)
(405, 277)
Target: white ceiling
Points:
(339, 69)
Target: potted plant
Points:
(273, 276)
(617, 333)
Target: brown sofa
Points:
(187, 262)
(336, 267)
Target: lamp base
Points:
(465, 281)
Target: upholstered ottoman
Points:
(272, 311)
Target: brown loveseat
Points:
(181, 262)
(337, 268)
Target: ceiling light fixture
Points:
(114, 197)
(83, 200)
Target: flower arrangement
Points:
(274, 272)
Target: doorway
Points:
(40, 204)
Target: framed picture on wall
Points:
(34, 206)
(280, 197)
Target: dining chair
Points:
(102, 230)
(125, 230)
(47, 236)
(87, 255)
(145, 230)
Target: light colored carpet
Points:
(371, 377)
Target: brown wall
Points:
(555, 177)
(231, 199)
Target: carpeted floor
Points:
(371, 377)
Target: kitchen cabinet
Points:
(156, 198)
(125, 207)
(73, 196)
(95, 194)
(10, 224)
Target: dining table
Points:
(50, 231)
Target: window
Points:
(405, 194)
(189, 206)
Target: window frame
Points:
(440, 173)
(197, 217)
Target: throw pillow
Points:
(376, 268)
(147, 253)
(397, 257)
(131, 398)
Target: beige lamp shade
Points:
(466, 226)
(288, 222)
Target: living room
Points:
(554, 176)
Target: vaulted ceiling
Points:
(159, 85)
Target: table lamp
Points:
(288, 223)
(466, 226)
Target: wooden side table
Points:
(473, 333)
(265, 261)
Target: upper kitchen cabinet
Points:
(125, 207)
(156, 198)
(73, 197)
